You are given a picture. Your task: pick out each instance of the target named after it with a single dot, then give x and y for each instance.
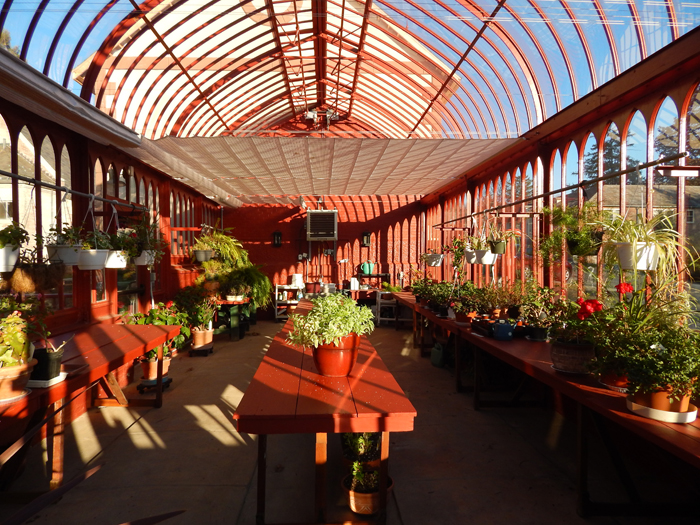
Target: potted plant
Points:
(96, 246)
(201, 250)
(482, 251)
(578, 227)
(47, 354)
(572, 349)
(431, 258)
(497, 237)
(332, 329)
(150, 246)
(11, 238)
(236, 290)
(16, 360)
(63, 244)
(161, 315)
(362, 488)
(459, 249)
(260, 286)
(124, 247)
(468, 303)
(641, 244)
(541, 309)
(31, 275)
(364, 447)
(202, 319)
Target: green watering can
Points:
(367, 267)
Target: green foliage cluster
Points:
(362, 443)
(331, 318)
(578, 227)
(14, 341)
(13, 235)
(364, 481)
(163, 314)
(197, 305)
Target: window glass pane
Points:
(123, 184)
(48, 196)
(666, 144)
(27, 197)
(132, 185)
(6, 205)
(611, 164)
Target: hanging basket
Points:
(641, 256)
(92, 259)
(485, 257)
(433, 259)
(116, 259)
(37, 277)
(203, 255)
(470, 256)
(497, 247)
(8, 258)
(64, 253)
(146, 258)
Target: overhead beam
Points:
(320, 48)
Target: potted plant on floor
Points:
(362, 488)
(63, 244)
(202, 322)
(161, 315)
(364, 447)
(95, 250)
(332, 329)
(11, 238)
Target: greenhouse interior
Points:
(296, 236)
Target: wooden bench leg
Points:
(383, 478)
(262, 467)
(321, 461)
(55, 443)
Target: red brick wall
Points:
(394, 222)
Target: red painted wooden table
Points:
(92, 356)
(288, 396)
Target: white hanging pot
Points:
(470, 256)
(8, 258)
(486, 257)
(116, 259)
(203, 255)
(92, 259)
(645, 255)
(64, 253)
(146, 258)
(433, 259)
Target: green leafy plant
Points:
(578, 227)
(390, 287)
(542, 306)
(364, 481)
(64, 235)
(125, 239)
(97, 240)
(331, 318)
(160, 315)
(362, 444)
(197, 305)
(148, 236)
(456, 248)
(14, 341)
(13, 235)
(260, 285)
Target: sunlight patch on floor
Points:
(209, 418)
(232, 395)
(86, 439)
(137, 428)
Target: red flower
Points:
(169, 304)
(624, 288)
(580, 301)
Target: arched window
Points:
(47, 173)
(110, 181)
(131, 179)
(692, 140)
(590, 158)
(142, 192)
(611, 164)
(123, 184)
(555, 179)
(636, 151)
(26, 161)
(6, 204)
(665, 144)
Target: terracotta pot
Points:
(337, 360)
(13, 379)
(361, 503)
(150, 369)
(614, 381)
(660, 401)
(572, 357)
(202, 337)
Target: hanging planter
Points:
(146, 258)
(497, 247)
(470, 256)
(37, 277)
(8, 258)
(637, 256)
(203, 255)
(92, 259)
(64, 253)
(432, 259)
(485, 257)
(116, 259)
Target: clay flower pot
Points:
(13, 379)
(149, 369)
(362, 503)
(333, 360)
(202, 337)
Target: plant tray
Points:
(40, 383)
(204, 350)
(663, 415)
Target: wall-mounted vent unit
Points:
(321, 225)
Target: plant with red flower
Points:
(624, 288)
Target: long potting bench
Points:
(595, 403)
(288, 396)
(89, 358)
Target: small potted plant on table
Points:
(16, 360)
(332, 329)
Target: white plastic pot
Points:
(203, 255)
(470, 256)
(64, 253)
(146, 258)
(647, 256)
(486, 257)
(92, 259)
(8, 258)
(116, 259)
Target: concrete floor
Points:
(494, 466)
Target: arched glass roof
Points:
(374, 68)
